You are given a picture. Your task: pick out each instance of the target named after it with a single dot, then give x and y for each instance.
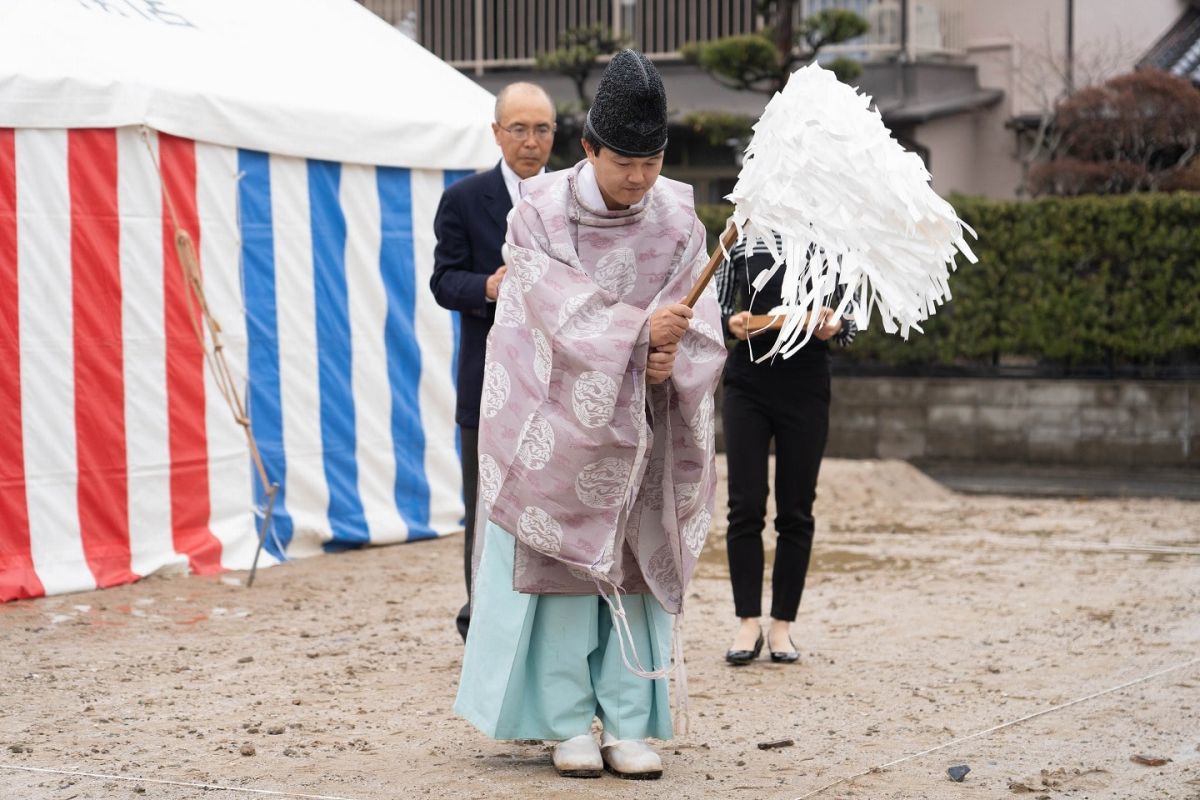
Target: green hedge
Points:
(714, 216)
(1109, 282)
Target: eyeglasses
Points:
(521, 132)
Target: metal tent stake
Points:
(272, 491)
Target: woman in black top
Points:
(782, 399)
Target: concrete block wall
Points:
(1119, 424)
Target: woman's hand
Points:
(738, 324)
(828, 325)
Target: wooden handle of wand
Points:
(718, 256)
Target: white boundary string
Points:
(1002, 540)
(207, 786)
(1123, 547)
(995, 728)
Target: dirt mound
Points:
(848, 483)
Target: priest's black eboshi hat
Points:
(629, 112)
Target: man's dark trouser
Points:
(470, 479)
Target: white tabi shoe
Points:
(578, 757)
(630, 758)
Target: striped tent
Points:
(119, 453)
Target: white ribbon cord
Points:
(678, 668)
(682, 706)
(621, 624)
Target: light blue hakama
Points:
(542, 666)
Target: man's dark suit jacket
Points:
(471, 221)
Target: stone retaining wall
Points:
(1122, 423)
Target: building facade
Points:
(965, 83)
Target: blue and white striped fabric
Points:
(122, 456)
(350, 362)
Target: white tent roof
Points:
(310, 78)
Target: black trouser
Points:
(470, 479)
(791, 405)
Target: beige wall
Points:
(1116, 33)
(973, 154)
(951, 151)
(1019, 46)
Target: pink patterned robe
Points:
(600, 476)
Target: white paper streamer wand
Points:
(850, 208)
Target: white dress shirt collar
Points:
(512, 181)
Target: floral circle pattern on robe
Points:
(701, 343)
(543, 358)
(496, 387)
(594, 399)
(702, 423)
(694, 531)
(528, 267)
(616, 271)
(602, 483)
(510, 309)
(540, 530)
(584, 316)
(537, 442)
(489, 478)
(686, 495)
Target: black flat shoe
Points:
(740, 658)
(786, 656)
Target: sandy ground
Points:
(929, 616)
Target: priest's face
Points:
(524, 129)
(623, 180)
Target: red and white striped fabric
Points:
(118, 456)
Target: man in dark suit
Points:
(467, 266)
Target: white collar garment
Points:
(589, 190)
(512, 181)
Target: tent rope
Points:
(197, 310)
